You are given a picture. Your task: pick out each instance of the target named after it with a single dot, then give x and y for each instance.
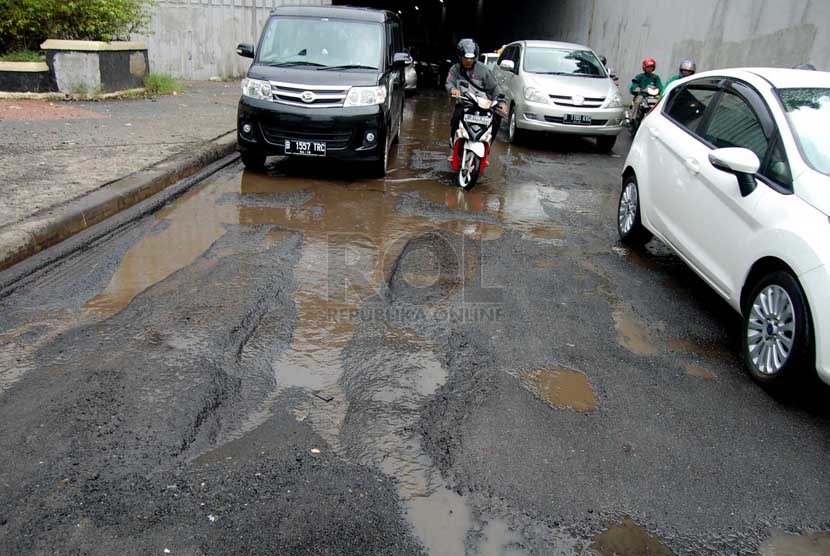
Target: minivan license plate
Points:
(305, 148)
(578, 119)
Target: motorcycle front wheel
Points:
(469, 171)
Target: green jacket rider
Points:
(647, 78)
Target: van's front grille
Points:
(588, 102)
(334, 141)
(309, 96)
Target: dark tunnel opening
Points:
(433, 27)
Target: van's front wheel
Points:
(253, 160)
(379, 167)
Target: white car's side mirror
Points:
(742, 162)
(507, 65)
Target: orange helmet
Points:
(649, 62)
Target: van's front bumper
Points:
(354, 133)
(550, 117)
(816, 284)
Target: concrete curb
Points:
(21, 240)
(71, 96)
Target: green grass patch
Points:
(22, 56)
(160, 84)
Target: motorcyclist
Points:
(479, 76)
(643, 81)
(687, 68)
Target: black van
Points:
(325, 82)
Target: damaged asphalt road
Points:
(313, 362)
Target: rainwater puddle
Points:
(698, 372)
(783, 544)
(561, 388)
(632, 334)
(186, 229)
(627, 539)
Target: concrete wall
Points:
(716, 33)
(196, 39)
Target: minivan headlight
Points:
(615, 101)
(254, 88)
(365, 96)
(535, 95)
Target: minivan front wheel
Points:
(605, 143)
(253, 160)
(379, 167)
(513, 131)
(629, 224)
(777, 335)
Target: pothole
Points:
(561, 388)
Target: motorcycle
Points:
(648, 100)
(471, 144)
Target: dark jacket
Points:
(479, 76)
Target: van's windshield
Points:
(321, 42)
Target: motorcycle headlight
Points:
(484, 103)
(615, 101)
(254, 88)
(652, 91)
(365, 96)
(535, 95)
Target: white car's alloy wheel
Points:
(629, 204)
(770, 329)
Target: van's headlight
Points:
(535, 95)
(365, 96)
(615, 101)
(255, 88)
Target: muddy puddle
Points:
(785, 544)
(561, 388)
(627, 539)
(643, 338)
(698, 372)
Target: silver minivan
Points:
(560, 88)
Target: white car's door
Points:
(670, 140)
(714, 220)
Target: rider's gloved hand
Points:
(455, 93)
(637, 90)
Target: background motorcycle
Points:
(648, 100)
(474, 136)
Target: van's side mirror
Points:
(245, 50)
(401, 59)
(508, 65)
(743, 163)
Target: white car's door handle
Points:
(693, 165)
(654, 133)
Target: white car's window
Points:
(688, 105)
(734, 124)
(557, 61)
(808, 111)
(321, 42)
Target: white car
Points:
(732, 171)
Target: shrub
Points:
(25, 24)
(22, 56)
(159, 84)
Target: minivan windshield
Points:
(558, 61)
(808, 111)
(321, 42)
